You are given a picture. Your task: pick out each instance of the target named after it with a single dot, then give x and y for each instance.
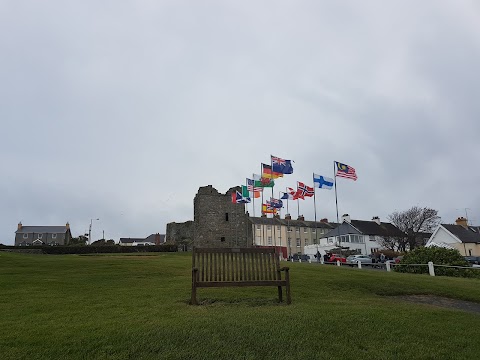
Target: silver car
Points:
(354, 259)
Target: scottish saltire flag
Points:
(281, 165)
(345, 171)
(322, 182)
(305, 190)
(237, 198)
(276, 203)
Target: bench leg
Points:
(280, 295)
(287, 288)
(193, 300)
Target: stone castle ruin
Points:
(217, 222)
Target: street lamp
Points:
(90, 231)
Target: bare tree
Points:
(394, 243)
(414, 221)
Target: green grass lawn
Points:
(136, 307)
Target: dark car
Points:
(472, 260)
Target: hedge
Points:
(58, 250)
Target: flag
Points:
(237, 198)
(296, 194)
(268, 209)
(305, 190)
(281, 165)
(345, 171)
(254, 189)
(322, 182)
(267, 172)
(276, 203)
(287, 196)
(245, 192)
(262, 181)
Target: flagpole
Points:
(336, 203)
(315, 209)
(298, 204)
(287, 201)
(273, 214)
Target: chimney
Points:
(19, 227)
(67, 225)
(346, 217)
(264, 215)
(157, 239)
(462, 222)
(288, 217)
(276, 216)
(376, 219)
(324, 220)
(301, 218)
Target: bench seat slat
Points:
(242, 283)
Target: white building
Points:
(461, 236)
(363, 236)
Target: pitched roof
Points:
(150, 238)
(470, 234)
(42, 229)
(372, 228)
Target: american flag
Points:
(346, 171)
(305, 190)
(251, 187)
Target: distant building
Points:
(461, 236)
(154, 239)
(42, 235)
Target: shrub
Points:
(58, 250)
(439, 256)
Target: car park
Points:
(473, 260)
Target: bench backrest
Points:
(236, 264)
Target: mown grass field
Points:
(136, 307)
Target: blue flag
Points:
(322, 182)
(281, 165)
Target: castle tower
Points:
(217, 221)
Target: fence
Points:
(388, 265)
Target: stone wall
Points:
(180, 234)
(217, 221)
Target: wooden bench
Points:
(222, 267)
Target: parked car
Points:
(397, 259)
(354, 259)
(335, 257)
(473, 260)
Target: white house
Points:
(363, 236)
(460, 236)
(154, 239)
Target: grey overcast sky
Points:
(120, 110)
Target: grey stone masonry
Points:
(217, 221)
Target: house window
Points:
(305, 230)
(258, 227)
(371, 237)
(344, 238)
(269, 240)
(297, 230)
(278, 227)
(306, 242)
(269, 227)
(54, 236)
(39, 236)
(314, 231)
(298, 242)
(25, 236)
(289, 229)
(226, 216)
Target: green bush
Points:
(439, 256)
(102, 249)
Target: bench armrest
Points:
(194, 269)
(285, 268)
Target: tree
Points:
(413, 222)
(80, 240)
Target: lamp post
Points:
(90, 231)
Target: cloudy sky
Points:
(120, 110)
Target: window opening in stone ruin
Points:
(226, 216)
(222, 239)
